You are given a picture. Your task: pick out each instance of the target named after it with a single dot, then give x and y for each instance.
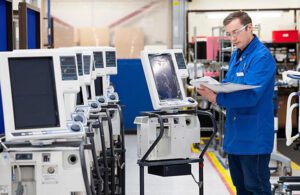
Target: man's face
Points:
(240, 35)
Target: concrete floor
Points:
(216, 176)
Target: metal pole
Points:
(201, 180)
(49, 25)
(195, 48)
(142, 182)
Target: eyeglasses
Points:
(235, 33)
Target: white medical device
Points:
(44, 171)
(32, 96)
(69, 75)
(99, 73)
(166, 91)
(290, 77)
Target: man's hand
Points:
(208, 94)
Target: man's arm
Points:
(261, 72)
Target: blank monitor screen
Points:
(99, 86)
(68, 68)
(110, 59)
(165, 77)
(79, 64)
(98, 57)
(33, 92)
(79, 100)
(88, 92)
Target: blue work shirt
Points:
(249, 127)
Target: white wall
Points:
(155, 21)
(204, 24)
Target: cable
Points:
(12, 158)
(198, 183)
(20, 189)
(84, 169)
(102, 138)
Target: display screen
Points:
(86, 64)
(180, 61)
(98, 57)
(79, 63)
(79, 100)
(88, 92)
(33, 92)
(111, 59)
(99, 86)
(68, 68)
(165, 77)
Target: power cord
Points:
(198, 183)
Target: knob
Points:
(94, 105)
(112, 97)
(101, 100)
(78, 118)
(75, 127)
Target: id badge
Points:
(239, 74)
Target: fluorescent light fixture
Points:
(256, 14)
(265, 14)
(216, 15)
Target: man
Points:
(249, 128)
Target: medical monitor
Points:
(68, 68)
(99, 63)
(163, 81)
(34, 106)
(79, 63)
(180, 61)
(87, 64)
(32, 95)
(87, 61)
(110, 61)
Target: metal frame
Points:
(23, 6)
(143, 162)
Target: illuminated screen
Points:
(111, 59)
(86, 64)
(165, 77)
(180, 61)
(68, 68)
(98, 57)
(33, 92)
(79, 64)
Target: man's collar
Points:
(250, 46)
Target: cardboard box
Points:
(129, 42)
(63, 34)
(98, 36)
